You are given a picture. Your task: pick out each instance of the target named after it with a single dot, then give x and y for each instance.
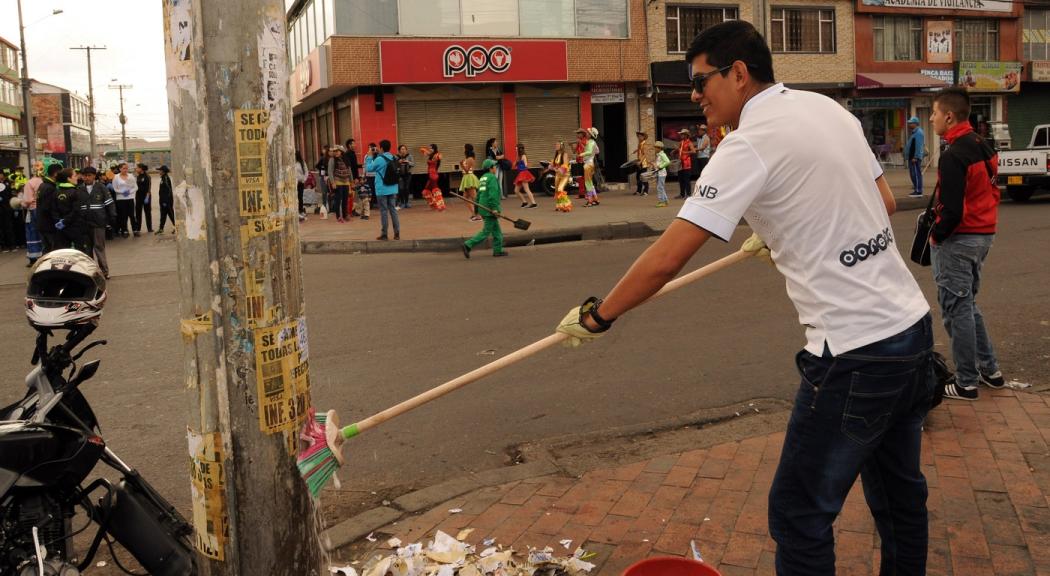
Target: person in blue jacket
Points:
(386, 194)
(914, 151)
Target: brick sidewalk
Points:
(987, 465)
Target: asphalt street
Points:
(386, 327)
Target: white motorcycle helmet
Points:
(66, 290)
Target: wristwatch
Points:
(590, 308)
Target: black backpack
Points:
(390, 173)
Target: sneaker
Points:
(533, 205)
(957, 392)
(661, 204)
(136, 234)
(992, 380)
(915, 194)
(159, 232)
(364, 217)
(382, 237)
(466, 252)
(501, 254)
(524, 204)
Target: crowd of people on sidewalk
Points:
(58, 207)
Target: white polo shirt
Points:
(799, 170)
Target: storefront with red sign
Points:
(456, 90)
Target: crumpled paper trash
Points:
(448, 556)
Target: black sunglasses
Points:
(701, 79)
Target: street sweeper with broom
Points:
(822, 205)
(488, 197)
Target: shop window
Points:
(685, 22)
(897, 38)
(601, 18)
(1035, 40)
(802, 30)
(489, 17)
(976, 40)
(365, 17)
(551, 18)
(430, 18)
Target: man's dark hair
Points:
(384, 145)
(349, 141)
(730, 41)
(53, 169)
(64, 174)
(955, 100)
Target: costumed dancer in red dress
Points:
(431, 191)
(524, 178)
(581, 145)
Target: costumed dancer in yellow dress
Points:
(560, 166)
(468, 185)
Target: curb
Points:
(361, 525)
(611, 231)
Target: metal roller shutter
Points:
(449, 124)
(544, 121)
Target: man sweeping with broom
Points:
(488, 197)
(822, 205)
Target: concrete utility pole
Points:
(91, 101)
(123, 118)
(27, 100)
(242, 314)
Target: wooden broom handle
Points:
(523, 353)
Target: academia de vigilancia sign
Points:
(972, 5)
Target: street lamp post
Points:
(27, 101)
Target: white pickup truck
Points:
(1025, 171)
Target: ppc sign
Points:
(447, 62)
(476, 59)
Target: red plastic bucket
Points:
(670, 566)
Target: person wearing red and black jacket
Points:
(966, 204)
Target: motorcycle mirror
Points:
(85, 373)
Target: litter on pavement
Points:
(448, 556)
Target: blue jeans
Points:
(661, 189)
(957, 270)
(915, 171)
(860, 412)
(387, 205)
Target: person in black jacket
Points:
(352, 160)
(142, 199)
(45, 206)
(167, 201)
(100, 211)
(67, 212)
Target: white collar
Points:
(754, 100)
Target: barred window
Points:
(1036, 37)
(802, 30)
(897, 38)
(976, 40)
(685, 22)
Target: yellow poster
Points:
(211, 526)
(250, 127)
(282, 377)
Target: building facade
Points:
(61, 124)
(450, 72)
(12, 135)
(908, 49)
(1031, 107)
(811, 41)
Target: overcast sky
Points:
(131, 31)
